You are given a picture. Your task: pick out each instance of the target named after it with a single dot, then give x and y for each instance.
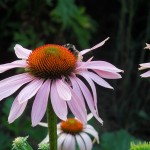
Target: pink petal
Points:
(16, 110)
(59, 105)
(147, 65)
(63, 90)
(60, 141)
(146, 74)
(77, 109)
(92, 87)
(99, 65)
(98, 80)
(87, 140)
(80, 142)
(89, 99)
(69, 142)
(90, 127)
(93, 133)
(108, 75)
(30, 90)
(94, 47)
(10, 85)
(144, 66)
(40, 103)
(14, 64)
(78, 92)
(79, 64)
(21, 52)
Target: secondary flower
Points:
(54, 71)
(145, 65)
(72, 132)
(147, 46)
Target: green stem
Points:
(52, 126)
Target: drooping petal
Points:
(10, 85)
(98, 80)
(89, 99)
(40, 103)
(80, 142)
(16, 110)
(69, 142)
(43, 124)
(21, 52)
(87, 140)
(60, 140)
(59, 105)
(93, 133)
(94, 47)
(77, 109)
(14, 64)
(92, 87)
(108, 75)
(63, 90)
(30, 90)
(78, 92)
(89, 116)
(146, 74)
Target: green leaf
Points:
(119, 140)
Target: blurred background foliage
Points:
(125, 110)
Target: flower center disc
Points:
(51, 61)
(71, 126)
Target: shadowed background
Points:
(84, 23)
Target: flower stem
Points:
(52, 126)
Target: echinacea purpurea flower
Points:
(53, 72)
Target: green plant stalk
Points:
(52, 126)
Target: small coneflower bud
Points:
(43, 146)
(72, 126)
(51, 61)
(20, 143)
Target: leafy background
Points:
(125, 110)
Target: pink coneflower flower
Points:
(145, 65)
(72, 133)
(53, 71)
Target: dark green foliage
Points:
(73, 20)
(33, 23)
(119, 140)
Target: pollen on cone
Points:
(71, 126)
(51, 61)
